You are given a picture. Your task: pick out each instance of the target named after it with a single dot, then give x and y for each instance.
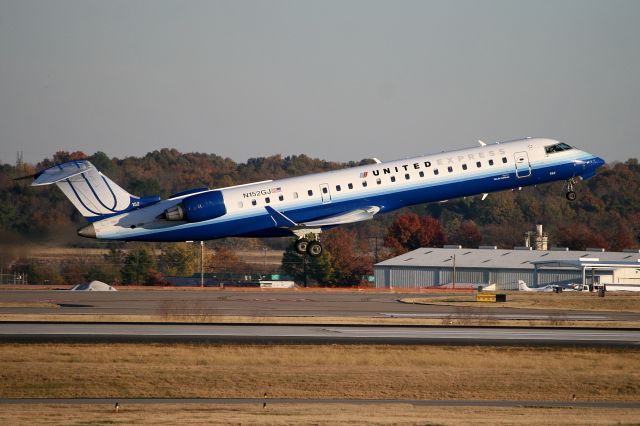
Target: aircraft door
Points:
(325, 193)
(523, 166)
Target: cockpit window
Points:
(557, 148)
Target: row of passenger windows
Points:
(407, 176)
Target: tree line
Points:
(606, 213)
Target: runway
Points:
(308, 334)
(259, 401)
(269, 303)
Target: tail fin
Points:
(522, 286)
(93, 194)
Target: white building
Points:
(429, 267)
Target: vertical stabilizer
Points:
(92, 193)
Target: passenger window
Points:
(450, 169)
(338, 188)
(310, 193)
(435, 171)
(393, 178)
(281, 197)
(325, 190)
(295, 195)
(464, 167)
(421, 173)
(379, 181)
(254, 202)
(364, 183)
(240, 204)
(267, 200)
(350, 186)
(478, 164)
(491, 162)
(504, 160)
(406, 176)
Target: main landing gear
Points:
(571, 195)
(312, 248)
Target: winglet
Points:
(481, 143)
(280, 220)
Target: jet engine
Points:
(197, 208)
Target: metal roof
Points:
(500, 259)
(587, 263)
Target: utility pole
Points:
(453, 278)
(202, 264)
(375, 253)
(304, 267)
(264, 268)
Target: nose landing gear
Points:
(571, 195)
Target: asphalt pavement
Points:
(306, 334)
(265, 303)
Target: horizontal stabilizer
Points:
(61, 172)
(93, 194)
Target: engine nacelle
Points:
(197, 208)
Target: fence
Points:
(14, 278)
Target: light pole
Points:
(202, 264)
(201, 261)
(264, 267)
(453, 276)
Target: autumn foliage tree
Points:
(139, 267)
(179, 259)
(350, 257)
(580, 237)
(466, 235)
(305, 269)
(410, 231)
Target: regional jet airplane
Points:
(304, 206)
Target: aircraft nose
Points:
(598, 162)
(88, 231)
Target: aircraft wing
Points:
(357, 215)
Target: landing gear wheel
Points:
(301, 245)
(314, 249)
(571, 196)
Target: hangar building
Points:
(429, 267)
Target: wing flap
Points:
(352, 216)
(357, 215)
